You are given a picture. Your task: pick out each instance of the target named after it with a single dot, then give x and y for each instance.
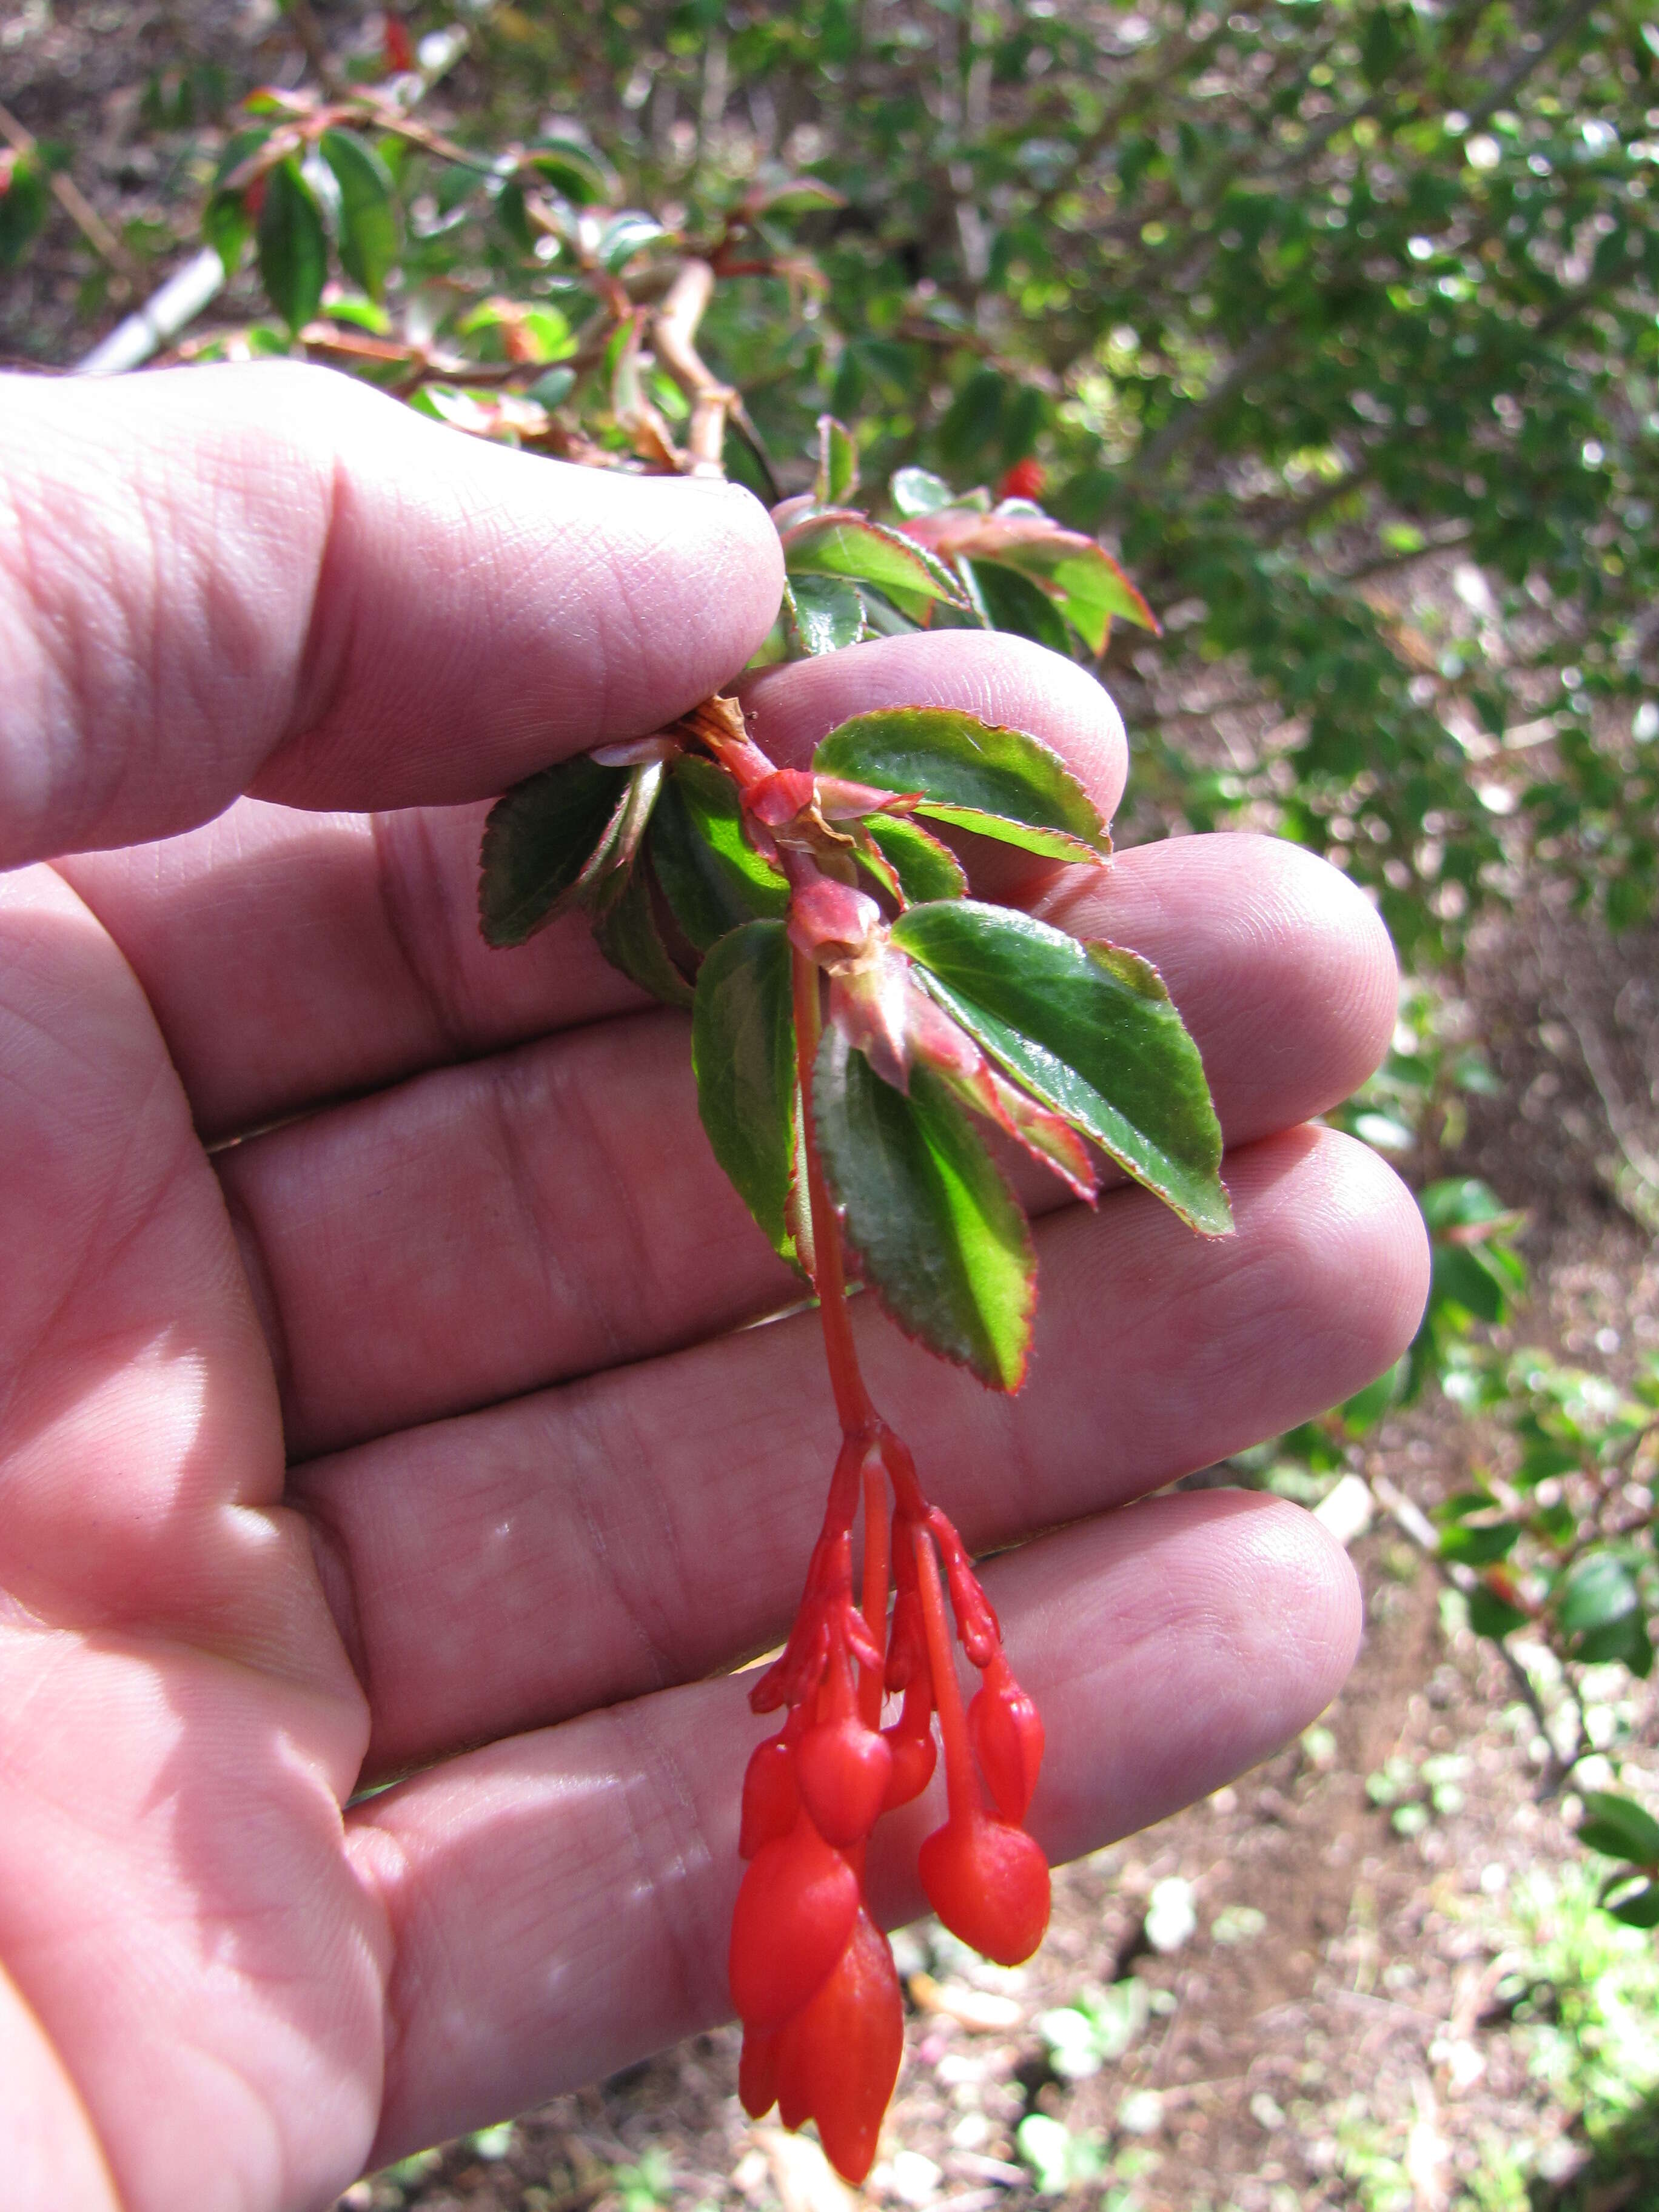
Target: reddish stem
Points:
(876, 1566)
(858, 1415)
(961, 1789)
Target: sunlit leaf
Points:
(919, 491)
(1089, 1029)
(368, 217)
(293, 245)
(1004, 783)
(569, 168)
(838, 465)
(1619, 1827)
(925, 868)
(542, 841)
(826, 613)
(711, 875)
(843, 543)
(938, 1235)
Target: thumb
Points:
(272, 578)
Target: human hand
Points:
(469, 1268)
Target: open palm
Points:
(373, 1395)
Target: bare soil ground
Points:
(1357, 2018)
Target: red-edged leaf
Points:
(938, 1234)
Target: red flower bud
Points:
(989, 1883)
(1006, 1729)
(770, 1799)
(797, 1902)
(838, 2057)
(843, 1769)
(1025, 480)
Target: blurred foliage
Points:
(1285, 300)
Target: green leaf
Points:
(838, 465)
(571, 168)
(292, 245)
(1478, 1545)
(1596, 1591)
(1366, 1407)
(1639, 1908)
(1003, 783)
(1493, 1616)
(1013, 603)
(919, 491)
(631, 234)
(628, 935)
(711, 875)
(1619, 1827)
(24, 204)
(939, 1235)
(826, 613)
(926, 869)
(743, 1049)
(226, 223)
(801, 195)
(543, 842)
(1089, 1030)
(369, 219)
(843, 543)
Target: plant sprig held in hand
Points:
(858, 1025)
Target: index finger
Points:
(271, 577)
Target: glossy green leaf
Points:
(938, 1234)
(569, 168)
(292, 245)
(1003, 783)
(847, 545)
(1091, 1032)
(919, 491)
(1493, 1616)
(631, 234)
(369, 219)
(1596, 1591)
(226, 223)
(711, 875)
(628, 935)
(542, 842)
(1638, 1907)
(743, 1049)
(1619, 1827)
(1478, 1544)
(1013, 602)
(826, 613)
(838, 465)
(801, 195)
(926, 869)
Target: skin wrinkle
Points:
(590, 1465)
(661, 1773)
(405, 903)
